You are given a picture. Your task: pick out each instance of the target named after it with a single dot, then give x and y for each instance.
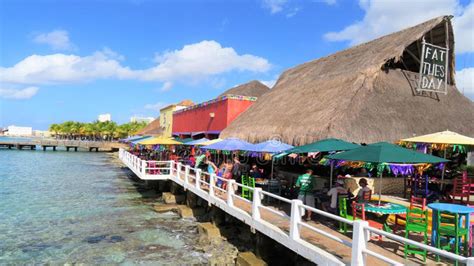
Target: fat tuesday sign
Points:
(433, 68)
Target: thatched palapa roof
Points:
(152, 129)
(363, 94)
(253, 88)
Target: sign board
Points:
(433, 69)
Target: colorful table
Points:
(462, 210)
(384, 208)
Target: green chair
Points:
(251, 183)
(342, 205)
(451, 227)
(245, 190)
(416, 222)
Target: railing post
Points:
(295, 219)
(171, 168)
(198, 178)
(144, 165)
(186, 176)
(230, 192)
(212, 177)
(470, 261)
(178, 170)
(360, 237)
(256, 202)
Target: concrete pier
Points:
(68, 144)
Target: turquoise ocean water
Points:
(79, 207)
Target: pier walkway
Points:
(68, 144)
(314, 241)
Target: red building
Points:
(209, 118)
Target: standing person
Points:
(227, 172)
(305, 194)
(237, 170)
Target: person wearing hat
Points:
(334, 193)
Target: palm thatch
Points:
(362, 94)
(253, 88)
(152, 129)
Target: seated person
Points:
(334, 193)
(363, 189)
(255, 172)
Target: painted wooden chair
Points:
(415, 202)
(416, 222)
(342, 206)
(358, 212)
(461, 190)
(450, 227)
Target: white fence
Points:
(251, 212)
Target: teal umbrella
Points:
(324, 145)
(383, 152)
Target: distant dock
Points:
(68, 144)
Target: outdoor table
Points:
(451, 208)
(384, 209)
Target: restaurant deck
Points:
(317, 240)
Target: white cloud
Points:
(293, 12)
(57, 39)
(166, 86)
(386, 16)
(18, 94)
(269, 83)
(193, 63)
(200, 60)
(62, 68)
(155, 106)
(464, 30)
(465, 81)
(274, 6)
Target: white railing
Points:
(250, 212)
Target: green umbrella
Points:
(325, 145)
(383, 152)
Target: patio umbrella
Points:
(325, 145)
(446, 138)
(159, 141)
(196, 142)
(383, 152)
(138, 140)
(133, 138)
(230, 144)
(273, 147)
(209, 142)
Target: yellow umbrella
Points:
(444, 137)
(160, 141)
(209, 142)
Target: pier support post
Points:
(33, 147)
(295, 219)
(54, 148)
(44, 148)
(67, 148)
(360, 237)
(75, 148)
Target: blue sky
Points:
(73, 60)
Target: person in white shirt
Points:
(334, 193)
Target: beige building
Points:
(166, 116)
